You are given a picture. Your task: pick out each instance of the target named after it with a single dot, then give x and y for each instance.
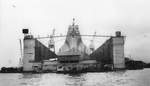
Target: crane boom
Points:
(57, 36)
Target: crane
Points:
(51, 43)
(58, 36)
(91, 46)
(21, 53)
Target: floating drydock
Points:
(73, 55)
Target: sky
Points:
(131, 17)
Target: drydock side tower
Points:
(34, 52)
(111, 52)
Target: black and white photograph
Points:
(74, 43)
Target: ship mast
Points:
(73, 23)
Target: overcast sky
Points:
(132, 17)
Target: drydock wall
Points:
(35, 52)
(104, 53)
(118, 52)
(28, 54)
(111, 52)
(42, 52)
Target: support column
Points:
(118, 51)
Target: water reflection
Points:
(117, 73)
(30, 75)
(119, 78)
(29, 79)
(83, 79)
(75, 80)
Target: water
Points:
(120, 78)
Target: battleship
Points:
(73, 55)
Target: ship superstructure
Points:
(74, 44)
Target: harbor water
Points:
(119, 78)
